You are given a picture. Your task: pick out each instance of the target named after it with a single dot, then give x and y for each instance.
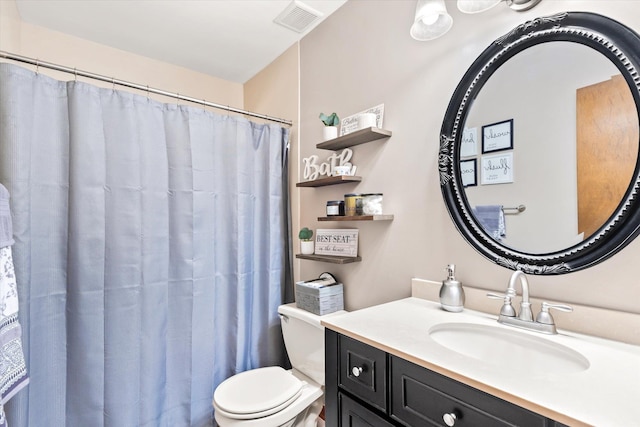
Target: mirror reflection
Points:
(560, 138)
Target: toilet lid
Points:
(257, 393)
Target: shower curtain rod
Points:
(144, 88)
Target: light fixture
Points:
(521, 5)
(431, 20)
(477, 6)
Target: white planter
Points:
(307, 247)
(330, 132)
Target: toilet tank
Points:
(304, 339)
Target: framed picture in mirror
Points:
(497, 136)
(469, 143)
(468, 172)
(497, 169)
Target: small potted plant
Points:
(331, 122)
(306, 243)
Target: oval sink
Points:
(508, 349)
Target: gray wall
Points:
(363, 56)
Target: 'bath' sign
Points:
(312, 170)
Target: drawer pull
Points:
(449, 419)
(356, 371)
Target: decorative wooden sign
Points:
(350, 124)
(313, 170)
(338, 242)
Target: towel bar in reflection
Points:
(513, 210)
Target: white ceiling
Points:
(229, 39)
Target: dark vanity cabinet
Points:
(366, 386)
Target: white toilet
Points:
(272, 396)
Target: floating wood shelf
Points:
(331, 180)
(330, 258)
(357, 218)
(354, 138)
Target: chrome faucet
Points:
(544, 321)
(525, 305)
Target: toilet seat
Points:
(257, 393)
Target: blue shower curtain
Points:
(151, 251)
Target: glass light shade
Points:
(476, 6)
(431, 20)
(522, 5)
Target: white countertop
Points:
(607, 393)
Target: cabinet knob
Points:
(449, 419)
(356, 371)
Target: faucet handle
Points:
(507, 309)
(545, 317)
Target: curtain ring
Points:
(75, 74)
(204, 104)
(177, 98)
(113, 83)
(37, 65)
(147, 92)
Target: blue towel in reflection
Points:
(491, 217)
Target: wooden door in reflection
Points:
(607, 149)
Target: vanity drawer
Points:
(363, 371)
(420, 396)
(353, 414)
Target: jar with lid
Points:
(372, 204)
(335, 208)
(352, 204)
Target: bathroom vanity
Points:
(410, 363)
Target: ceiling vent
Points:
(297, 17)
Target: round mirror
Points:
(550, 94)
(539, 147)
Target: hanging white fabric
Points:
(13, 370)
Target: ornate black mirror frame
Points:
(619, 44)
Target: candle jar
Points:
(335, 208)
(352, 204)
(372, 204)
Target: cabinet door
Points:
(363, 371)
(352, 414)
(423, 397)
